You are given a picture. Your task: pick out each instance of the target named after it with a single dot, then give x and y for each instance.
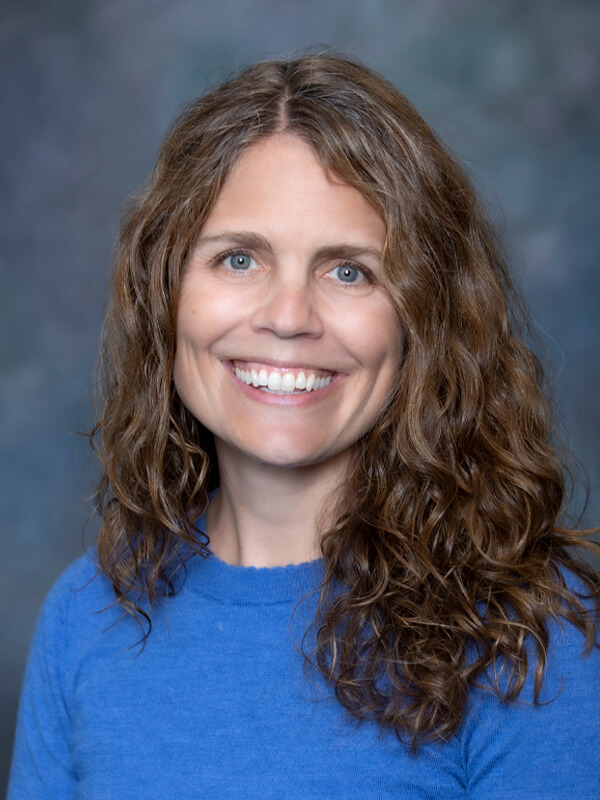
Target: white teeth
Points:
(274, 383)
(288, 382)
(284, 383)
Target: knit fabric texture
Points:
(218, 705)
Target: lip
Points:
(293, 400)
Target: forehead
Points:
(279, 184)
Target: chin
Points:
(288, 454)
(288, 459)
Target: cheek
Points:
(198, 321)
(190, 345)
(182, 369)
(189, 342)
(207, 310)
(205, 320)
(378, 338)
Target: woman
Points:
(330, 500)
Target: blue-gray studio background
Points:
(87, 90)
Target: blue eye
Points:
(239, 261)
(348, 274)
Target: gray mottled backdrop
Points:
(88, 89)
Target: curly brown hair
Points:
(448, 541)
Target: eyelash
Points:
(364, 271)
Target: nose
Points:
(288, 309)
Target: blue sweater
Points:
(217, 705)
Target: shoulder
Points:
(73, 606)
(567, 644)
(77, 575)
(570, 659)
(548, 748)
(573, 666)
(81, 584)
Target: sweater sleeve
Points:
(545, 750)
(41, 765)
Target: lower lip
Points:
(295, 399)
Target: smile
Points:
(290, 381)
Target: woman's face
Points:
(287, 342)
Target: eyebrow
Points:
(254, 241)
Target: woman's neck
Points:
(267, 516)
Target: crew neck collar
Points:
(239, 585)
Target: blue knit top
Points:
(218, 705)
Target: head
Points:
(445, 288)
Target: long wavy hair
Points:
(448, 539)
